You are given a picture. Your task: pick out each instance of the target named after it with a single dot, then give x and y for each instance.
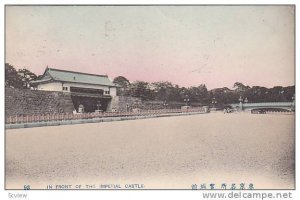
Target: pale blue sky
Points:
(187, 45)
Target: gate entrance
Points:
(90, 103)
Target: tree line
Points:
(167, 92)
(18, 78)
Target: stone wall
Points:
(30, 102)
(124, 103)
(155, 105)
(119, 103)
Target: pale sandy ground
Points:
(169, 153)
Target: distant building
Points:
(92, 91)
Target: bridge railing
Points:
(270, 104)
(70, 116)
(280, 112)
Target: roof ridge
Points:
(62, 70)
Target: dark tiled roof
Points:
(75, 77)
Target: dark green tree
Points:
(124, 86)
(141, 89)
(12, 78)
(163, 91)
(240, 87)
(26, 77)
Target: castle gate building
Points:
(90, 91)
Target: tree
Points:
(198, 94)
(257, 94)
(124, 84)
(122, 81)
(183, 92)
(277, 94)
(225, 95)
(163, 91)
(289, 93)
(12, 78)
(175, 93)
(141, 89)
(240, 87)
(26, 77)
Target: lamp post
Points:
(241, 102)
(281, 95)
(293, 103)
(98, 105)
(165, 104)
(214, 102)
(240, 99)
(186, 100)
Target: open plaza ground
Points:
(158, 153)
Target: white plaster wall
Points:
(57, 86)
(113, 91)
(53, 86)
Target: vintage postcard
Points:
(195, 97)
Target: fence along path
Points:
(70, 116)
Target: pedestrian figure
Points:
(81, 108)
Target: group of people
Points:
(80, 109)
(228, 110)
